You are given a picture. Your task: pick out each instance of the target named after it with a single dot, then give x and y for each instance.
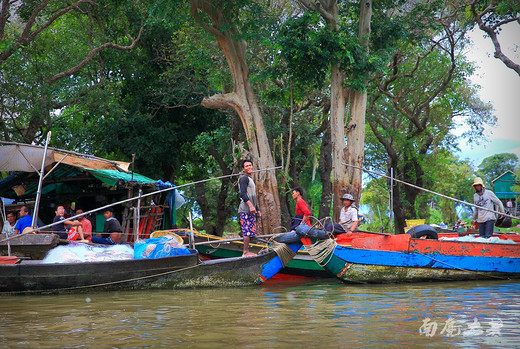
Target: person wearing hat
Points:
(348, 217)
(112, 230)
(485, 200)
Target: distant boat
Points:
(384, 258)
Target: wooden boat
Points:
(33, 246)
(384, 258)
(184, 271)
(215, 247)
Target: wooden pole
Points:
(40, 181)
(191, 237)
(219, 241)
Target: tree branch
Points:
(92, 54)
(491, 31)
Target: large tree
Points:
(343, 178)
(495, 165)
(35, 36)
(221, 19)
(420, 96)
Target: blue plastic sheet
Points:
(159, 248)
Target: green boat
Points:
(215, 247)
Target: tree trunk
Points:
(355, 152)
(243, 101)
(356, 129)
(337, 130)
(200, 192)
(324, 169)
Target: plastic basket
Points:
(414, 222)
(159, 233)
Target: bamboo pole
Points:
(40, 182)
(219, 241)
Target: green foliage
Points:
(495, 165)
(310, 47)
(376, 195)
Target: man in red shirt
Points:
(302, 210)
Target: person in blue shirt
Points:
(25, 221)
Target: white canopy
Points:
(28, 158)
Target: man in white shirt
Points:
(9, 224)
(485, 200)
(348, 217)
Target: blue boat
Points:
(384, 258)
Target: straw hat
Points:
(477, 181)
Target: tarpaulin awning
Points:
(28, 158)
(66, 172)
(111, 177)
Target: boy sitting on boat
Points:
(112, 230)
(61, 229)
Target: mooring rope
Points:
(321, 250)
(283, 251)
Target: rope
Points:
(283, 251)
(321, 250)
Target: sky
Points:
(500, 86)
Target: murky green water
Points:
(319, 313)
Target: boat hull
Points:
(399, 258)
(302, 264)
(357, 272)
(33, 246)
(184, 271)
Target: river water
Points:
(320, 313)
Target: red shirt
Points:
(87, 229)
(303, 209)
(87, 225)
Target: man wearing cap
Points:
(348, 217)
(485, 200)
(112, 230)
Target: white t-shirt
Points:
(8, 229)
(347, 217)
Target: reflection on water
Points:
(324, 314)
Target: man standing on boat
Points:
(248, 208)
(487, 200)
(301, 210)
